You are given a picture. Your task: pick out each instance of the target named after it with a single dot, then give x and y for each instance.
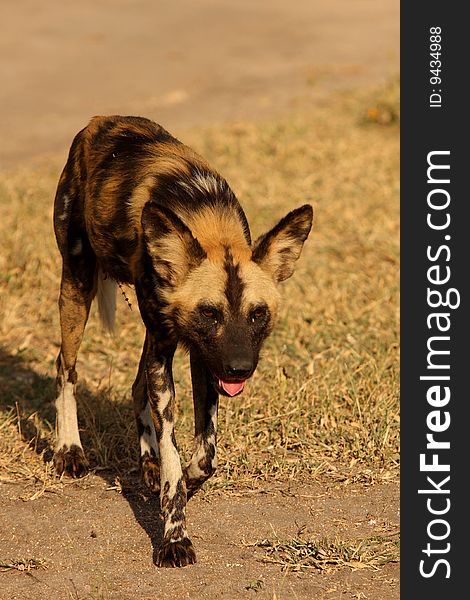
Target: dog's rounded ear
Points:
(172, 248)
(277, 250)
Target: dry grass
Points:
(325, 396)
(385, 109)
(23, 565)
(325, 555)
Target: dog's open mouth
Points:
(230, 388)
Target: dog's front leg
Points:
(176, 549)
(204, 459)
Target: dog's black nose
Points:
(239, 369)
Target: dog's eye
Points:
(258, 313)
(210, 313)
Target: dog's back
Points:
(124, 162)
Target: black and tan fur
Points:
(136, 206)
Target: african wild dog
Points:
(136, 206)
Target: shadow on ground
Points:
(30, 396)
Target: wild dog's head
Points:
(220, 292)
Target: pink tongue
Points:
(232, 388)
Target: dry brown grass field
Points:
(322, 410)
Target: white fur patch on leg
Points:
(67, 421)
(171, 470)
(170, 474)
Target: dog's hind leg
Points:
(149, 453)
(78, 287)
(204, 458)
(74, 306)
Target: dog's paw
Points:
(176, 554)
(150, 470)
(71, 461)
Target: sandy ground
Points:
(96, 541)
(183, 64)
(180, 62)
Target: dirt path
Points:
(98, 542)
(182, 63)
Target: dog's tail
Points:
(106, 295)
